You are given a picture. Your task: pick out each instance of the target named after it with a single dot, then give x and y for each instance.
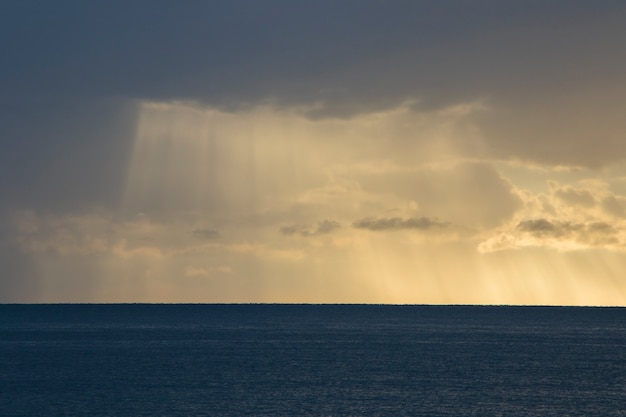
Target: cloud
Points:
(584, 214)
(558, 234)
(397, 223)
(614, 205)
(576, 127)
(128, 154)
(321, 228)
(576, 197)
(172, 51)
(327, 226)
(465, 193)
(593, 232)
(541, 227)
(91, 233)
(207, 234)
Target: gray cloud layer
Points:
(397, 223)
(591, 234)
(206, 234)
(321, 228)
(233, 52)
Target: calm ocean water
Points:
(311, 360)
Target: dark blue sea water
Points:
(311, 360)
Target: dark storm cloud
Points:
(323, 227)
(397, 223)
(352, 55)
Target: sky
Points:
(421, 152)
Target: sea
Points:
(311, 360)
